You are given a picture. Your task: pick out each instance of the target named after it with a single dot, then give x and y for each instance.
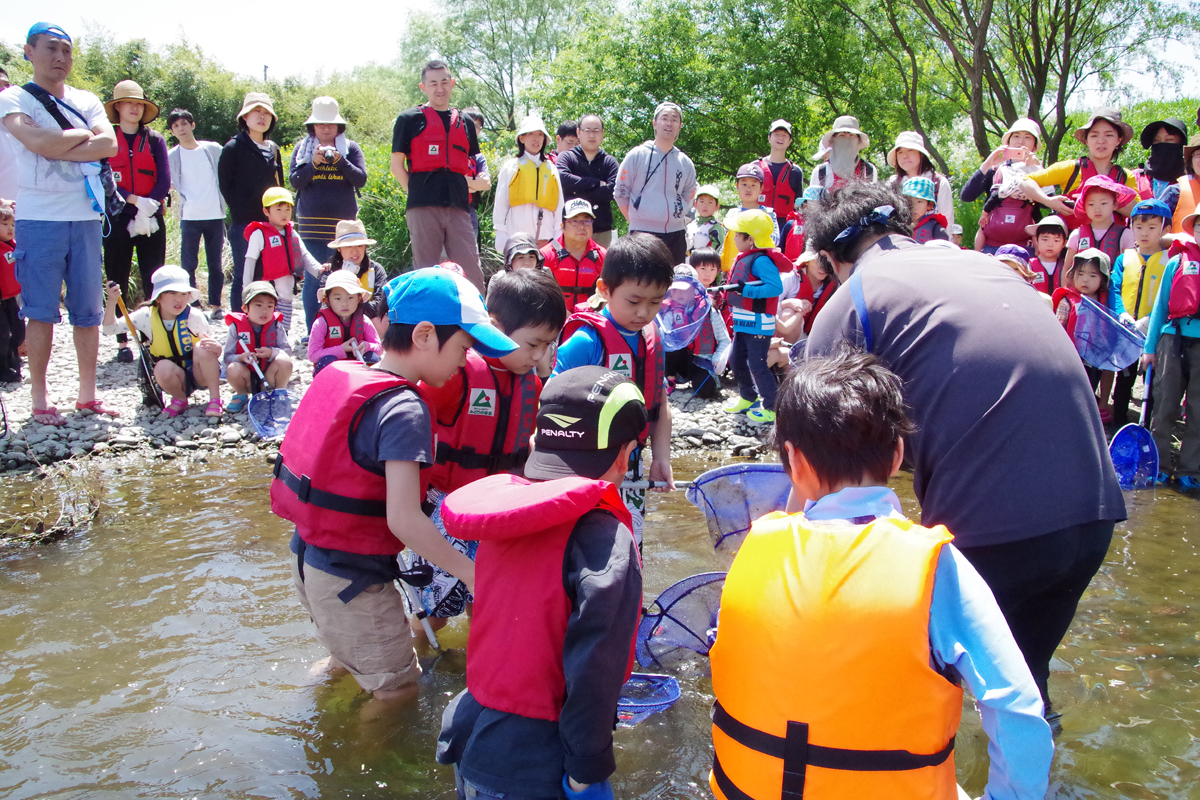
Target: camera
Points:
(330, 154)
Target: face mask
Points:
(845, 153)
(1166, 161)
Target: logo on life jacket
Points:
(276, 241)
(1085, 242)
(434, 149)
(562, 420)
(619, 362)
(483, 403)
(10, 257)
(116, 176)
(335, 332)
(1190, 268)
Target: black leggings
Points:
(1038, 582)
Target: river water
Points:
(163, 654)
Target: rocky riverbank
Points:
(698, 425)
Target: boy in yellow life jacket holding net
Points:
(846, 630)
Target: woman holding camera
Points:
(327, 171)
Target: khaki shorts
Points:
(369, 636)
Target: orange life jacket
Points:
(1189, 193)
(822, 668)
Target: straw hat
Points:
(130, 90)
(1110, 115)
(846, 124)
(325, 111)
(350, 232)
(910, 140)
(255, 100)
(342, 279)
(1192, 146)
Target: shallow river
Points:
(163, 654)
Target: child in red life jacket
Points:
(624, 338)
(341, 330)
(484, 415)
(178, 336)
(558, 597)
(922, 201)
(351, 244)
(756, 273)
(12, 327)
(797, 314)
(1086, 277)
(275, 253)
(256, 332)
(1049, 241)
(1173, 349)
(847, 584)
(1099, 227)
(697, 362)
(349, 477)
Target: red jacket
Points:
(436, 148)
(779, 196)
(1185, 285)
(515, 647)
(278, 258)
(133, 167)
(267, 337)
(807, 293)
(1044, 280)
(741, 272)
(334, 502)
(576, 277)
(8, 271)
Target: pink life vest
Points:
(334, 502)
(647, 367)
(515, 647)
(1109, 243)
(1044, 280)
(1185, 285)
(337, 330)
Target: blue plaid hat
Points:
(440, 297)
(920, 188)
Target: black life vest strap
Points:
(469, 458)
(304, 491)
(797, 755)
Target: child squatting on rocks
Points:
(341, 330)
(180, 342)
(256, 333)
(845, 630)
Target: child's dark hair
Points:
(702, 256)
(526, 298)
(398, 336)
(180, 114)
(1057, 231)
(845, 414)
(1087, 262)
(244, 128)
(476, 116)
(638, 257)
(850, 206)
(568, 127)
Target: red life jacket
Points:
(337, 329)
(133, 166)
(577, 278)
(793, 242)
(1084, 169)
(1109, 243)
(267, 337)
(741, 272)
(436, 148)
(1185, 285)
(515, 647)
(1145, 186)
(923, 231)
(779, 196)
(278, 258)
(8, 271)
(647, 367)
(1075, 298)
(489, 431)
(1043, 279)
(808, 293)
(705, 343)
(334, 502)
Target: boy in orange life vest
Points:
(341, 329)
(846, 629)
(349, 476)
(483, 416)
(275, 253)
(536, 718)
(255, 332)
(624, 337)
(12, 327)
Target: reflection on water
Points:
(163, 654)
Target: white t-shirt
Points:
(49, 189)
(197, 182)
(8, 165)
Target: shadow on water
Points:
(163, 654)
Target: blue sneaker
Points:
(1189, 483)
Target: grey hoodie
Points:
(658, 188)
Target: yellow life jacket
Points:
(1147, 274)
(1189, 194)
(174, 344)
(822, 660)
(534, 184)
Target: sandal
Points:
(96, 407)
(214, 409)
(237, 403)
(176, 407)
(49, 416)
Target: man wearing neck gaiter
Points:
(844, 143)
(1157, 178)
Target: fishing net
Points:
(734, 496)
(1102, 340)
(151, 392)
(1135, 457)
(644, 694)
(683, 312)
(681, 622)
(270, 413)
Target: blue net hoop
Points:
(732, 497)
(681, 622)
(643, 695)
(1102, 340)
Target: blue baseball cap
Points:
(1151, 208)
(49, 29)
(440, 297)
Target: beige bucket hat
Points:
(130, 90)
(255, 100)
(350, 232)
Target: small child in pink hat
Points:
(1101, 228)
